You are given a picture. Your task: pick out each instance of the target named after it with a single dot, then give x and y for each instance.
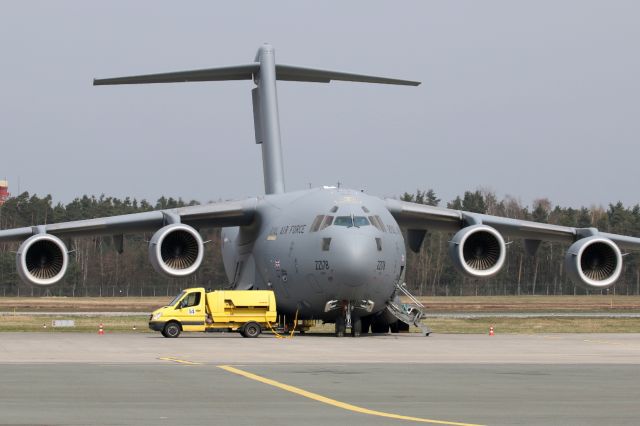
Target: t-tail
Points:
(264, 72)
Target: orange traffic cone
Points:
(101, 330)
(491, 331)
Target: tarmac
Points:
(461, 315)
(122, 379)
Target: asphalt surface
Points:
(121, 379)
(462, 315)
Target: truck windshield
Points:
(175, 299)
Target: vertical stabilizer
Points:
(264, 72)
(269, 121)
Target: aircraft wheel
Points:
(171, 330)
(356, 326)
(379, 327)
(341, 326)
(252, 329)
(403, 327)
(366, 324)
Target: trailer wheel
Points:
(251, 329)
(171, 330)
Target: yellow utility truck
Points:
(245, 311)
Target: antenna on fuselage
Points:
(264, 72)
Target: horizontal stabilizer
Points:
(294, 73)
(236, 72)
(247, 71)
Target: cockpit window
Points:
(328, 220)
(316, 223)
(360, 221)
(343, 221)
(377, 222)
(321, 222)
(350, 221)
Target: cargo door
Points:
(190, 311)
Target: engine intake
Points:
(478, 251)
(42, 260)
(176, 250)
(594, 262)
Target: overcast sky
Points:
(531, 99)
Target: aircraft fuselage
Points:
(316, 247)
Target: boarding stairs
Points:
(410, 313)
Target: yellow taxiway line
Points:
(179, 361)
(333, 402)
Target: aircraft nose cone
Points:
(355, 258)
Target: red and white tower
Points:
(4, 191)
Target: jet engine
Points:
(594, 262)
(176, 250)
(478, 251)
(42, 260)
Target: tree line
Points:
(96, 269)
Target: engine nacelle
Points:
(594, 262)
(478, 251)
(42, 260)
(176, 250)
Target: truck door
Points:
(190, 311)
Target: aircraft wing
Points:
(175, 249)
(478, 248)
(423, 217)
(226, 213)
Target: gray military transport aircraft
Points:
(328, 253)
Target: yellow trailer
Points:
(246, 311)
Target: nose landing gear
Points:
(347, 318)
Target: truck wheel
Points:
(252, 329)
(171, 330)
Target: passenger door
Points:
(190, 311)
